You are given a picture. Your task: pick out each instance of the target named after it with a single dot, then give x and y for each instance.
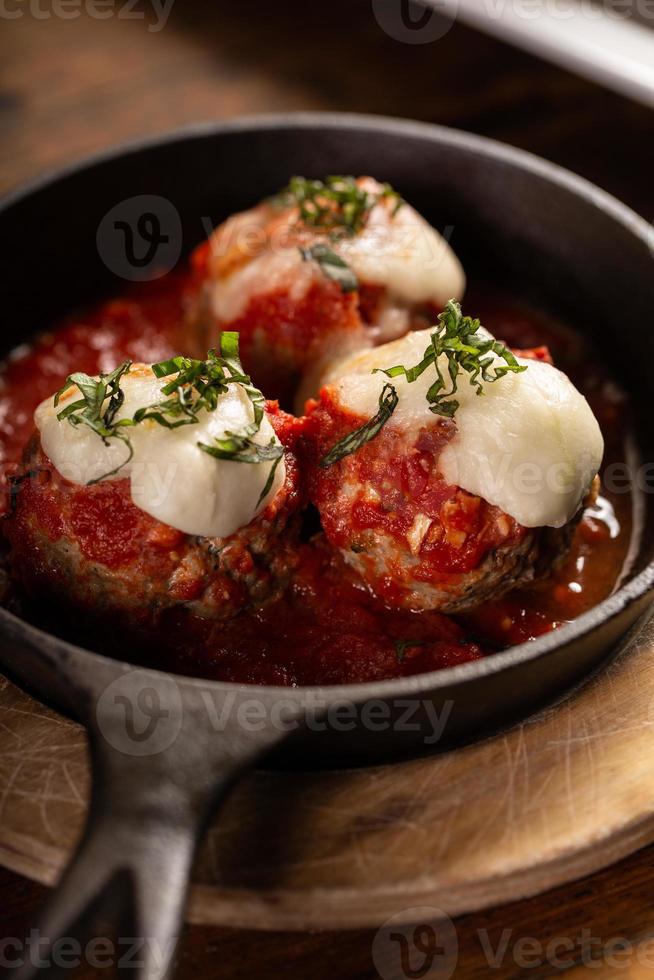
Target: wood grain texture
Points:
(565, 793)
(568, 791)
(71, 87)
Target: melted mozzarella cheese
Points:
(399, 251)
(402, 252)
(530, 444)
(273, 271)
(171, 478)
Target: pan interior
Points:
(549, 242)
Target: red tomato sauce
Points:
(409, 489)
(293, 328)
(327, 628)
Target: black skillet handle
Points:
(162, 760)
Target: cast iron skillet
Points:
(166, 749)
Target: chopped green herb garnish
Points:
(90, 409)
(401, 647)
(198, 385)
(336, 204)
(191, 387)
(457, 337)
(389, 193)
(467, 350)
(355, 440)
(332, 265)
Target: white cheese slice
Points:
(171, 478)
(530, 444)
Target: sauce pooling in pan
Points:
(324, 626)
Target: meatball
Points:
(323, 269)
(431, 510)
(89, 554)
(155, 490)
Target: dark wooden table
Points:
(69, 86)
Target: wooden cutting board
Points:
(566, 793)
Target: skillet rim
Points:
(600, 615)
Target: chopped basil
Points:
(196, 386)
(458, 338)
(337, 204)
(466, 349)
(401, 647)
(332, 265)
(355, 440)
(90, 409)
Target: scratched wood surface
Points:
(564, 794)
(69, 87)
